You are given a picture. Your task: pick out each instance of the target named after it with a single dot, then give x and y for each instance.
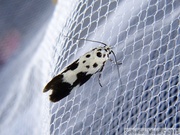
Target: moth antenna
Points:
(116, 65)
(87, 40)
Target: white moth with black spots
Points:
(80, 71)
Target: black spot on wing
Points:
(73, 66)
(81, 78)
(94, 49)
(87, 66)
(95, 65)
(104, 63)
(107, 49)
(99, 54)
(104, 55)
(84, 61)
(88, 55)
(59, 88)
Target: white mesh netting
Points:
(145, 38)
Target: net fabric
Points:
(145, 38)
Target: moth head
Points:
(103, 51)
(107, 49)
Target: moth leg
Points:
(119, 63)
(100, 75)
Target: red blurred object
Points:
(8, 44)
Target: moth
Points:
(79, 72)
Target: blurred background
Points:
(22, 27)
(145, 38)
(20, 22)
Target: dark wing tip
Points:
(58, 95)
(59, 88)
(45, 90)
(47, 87)
(53, 95)
(53, 98)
